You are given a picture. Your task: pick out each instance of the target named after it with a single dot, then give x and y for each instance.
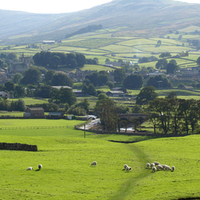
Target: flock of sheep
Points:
(156, 166)
(39, 167)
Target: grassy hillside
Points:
(66, 174)
(142, 17)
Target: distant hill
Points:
(152, 16)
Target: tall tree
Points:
(107, 111)
(119, 75)
(146, 94)
(133, 81)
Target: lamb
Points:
(148, 165)
(94, 163)
(173, 168)
(29, 168)
(154, 169)
(39, 166)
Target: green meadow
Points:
(67, 174)
(105, 43)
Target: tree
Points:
(119, 75)
(9, 86)
(16, 78)
(48, 77)
(159, 82)
(146, 94)
(31, 76)
(19, 91)
(107, 112)
(55, 61)
(171, 68)
(91, 90)
(172, 95)
(133, 81)
(60, 79)
(110, 85)
(67, 96)
(43, 91)
(198, 60)
(107, 60)
(161, 64)
(81, 60)
(21, 105)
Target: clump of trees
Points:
(12, 105)
(54, 59)
(172, 115)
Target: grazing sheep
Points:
(29, 168)
(173, 168)
(39, 166)
(125, 166)
(166, 167)
(156, 163)
(94, 163)
(159, 167)
(152, 165)
(148, 165)
(154, 169)
(128, 168)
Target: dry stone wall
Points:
(18, 146)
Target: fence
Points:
(34, 127)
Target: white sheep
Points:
(39, 166)
(94, 163)
(125, 166)
(29, 168)
(173, 168)
(148, 165)
(128, 168)
(152, 165)
(166, 167)
(156, 163)
(154, 169)
(159, 167)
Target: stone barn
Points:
(36, 112)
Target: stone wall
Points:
(18, 146)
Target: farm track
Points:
(128, 186)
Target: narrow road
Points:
(91, 124)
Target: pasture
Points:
(105, 44)
(66, 157)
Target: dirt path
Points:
(129, 185)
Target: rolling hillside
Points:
(157, 15)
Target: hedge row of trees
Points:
(172, 115)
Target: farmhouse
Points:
(115, 94)
(35, 112)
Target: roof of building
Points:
(59, 87)
(36, 108)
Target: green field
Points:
(104, 44)
(66, 157)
